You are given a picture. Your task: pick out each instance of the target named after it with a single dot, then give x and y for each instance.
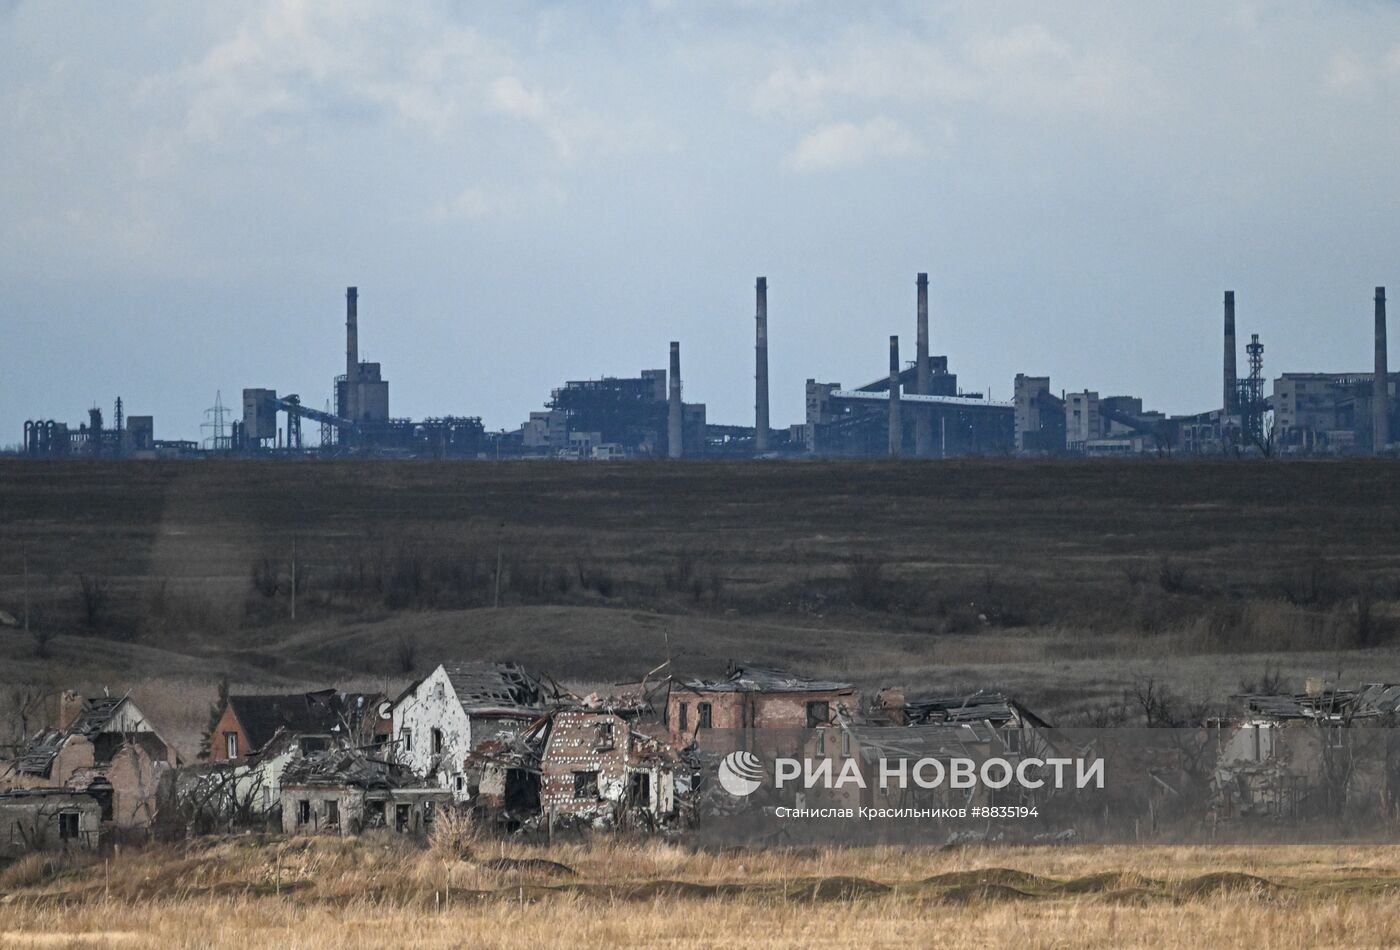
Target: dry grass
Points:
(373, 892)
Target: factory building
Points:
(1083, 423)
(916, 409)
(1328, 413)
(360, 423)
(619, 417)
(856, 422)
(127, 437)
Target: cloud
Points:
(478, 202)
(848, 144)
(1022, 69)
(1352, 72)
(290, 63)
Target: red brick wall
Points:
(218, 745)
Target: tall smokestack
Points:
(1231, 390)
(1380, 401)
(352, 348)
(896, 430)
(675, 426)
(923, 382)
(760, 369)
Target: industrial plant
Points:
(915, 410)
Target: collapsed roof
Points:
(1369, 702)
(483, 687)
(321, 711)
(345, 767)
(982, 706)
(762, 679)
(93, 719)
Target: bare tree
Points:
(94, 596)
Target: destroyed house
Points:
(348, 792)
(861, 748)
(1018, 730)
(106, 748)
(1308, 754)
(748, 699)
(48, 819)
(316, 721)
(600, 768)
(443, 718)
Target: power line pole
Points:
(294, 578)
(24, 553)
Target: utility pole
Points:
(24, 553)
(294, 578)
(497, 600)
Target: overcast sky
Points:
(529, 193)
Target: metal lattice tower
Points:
(327, 430)
(1251, 393)
(216, 415)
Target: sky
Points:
(530, 193)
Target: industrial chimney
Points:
(923, 382)
(896, 431)
(1231, 403)
(1380, 400)
(675, 423)
(352, 350)
(760, 370)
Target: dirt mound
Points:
(968, 893)
(1226, 882)
(1107, 881)
(651, 890)
(1130, 896)
(838, 889)
(1005, 876)
(530, 866)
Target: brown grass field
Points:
(315, 892)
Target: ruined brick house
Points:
(1016, 729)
(256, 737)
(729, 713)
(48, 819)
(861, 747)
(107, 748)
(348, 792)
(602, 768)
(441, 720)
(1310, 754)
(318, 720)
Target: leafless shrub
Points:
(94, 598)
(406, 652)
(1315, 582)
(1171, 577)
(454, 833)
(868, 584)
(267, 574)
(596, 579)
(1268, 683)
(1364, 632)
(678, 577)
(1162, 708)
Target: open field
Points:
(1062, 581)
(374, 893)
